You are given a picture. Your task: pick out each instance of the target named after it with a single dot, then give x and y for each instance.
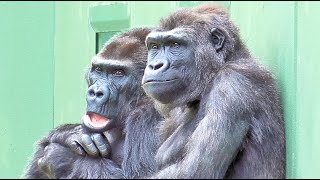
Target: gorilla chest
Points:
(174, 147)
(116, 141)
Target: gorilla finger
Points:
(44, 166)
(102, 144)
(41, 163)
(75, 147)
(88, 145)
(46, 148)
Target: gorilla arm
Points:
(220, 132)
(32, 171)
(54, 159)
(58, 161)
(59, 134)
(141, 142)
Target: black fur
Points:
(223, 115)
(133, 154)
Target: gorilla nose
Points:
(159, 66)
(97, 94)
(156, 66)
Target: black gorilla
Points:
(117, 105)
(223, 115)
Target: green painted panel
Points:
(269, 30)
(109, 16)
(102, 38)
(26, 76)
(113, 16)
(226, 4)
(149, 13)
(74, 47)
(308, 88)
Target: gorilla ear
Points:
(217, 38)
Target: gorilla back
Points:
(223, 115)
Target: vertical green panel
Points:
(74, 47)
(107, 19)
(26, 78)
(109, 16)
(269, 30)
(149, 13)
(102, 38)
(308, 99)
(196, 3)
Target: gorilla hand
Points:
(94, 144)
(64, 147)
(81, 141)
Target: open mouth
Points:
(95, 121)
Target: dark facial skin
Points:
(165, 77)
(171, 66)
(106, 80)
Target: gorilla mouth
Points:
(95, 121)
(159, 81)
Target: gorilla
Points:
(223, 114)
(117, 106)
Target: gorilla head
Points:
(179, 50)
(114, 81)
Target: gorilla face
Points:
(170, 67)
(114, 81)
(175, 69)
(109, 88)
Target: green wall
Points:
(307, 124)
(26, 78)
(74, 46)
(56, 40)
(45, 49)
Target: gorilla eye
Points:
(118, 73)
(98, 69)
(175, 44)
(154, 46)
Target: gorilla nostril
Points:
(158, 66)
(99, 94)
(91, 93)
(150, 66)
